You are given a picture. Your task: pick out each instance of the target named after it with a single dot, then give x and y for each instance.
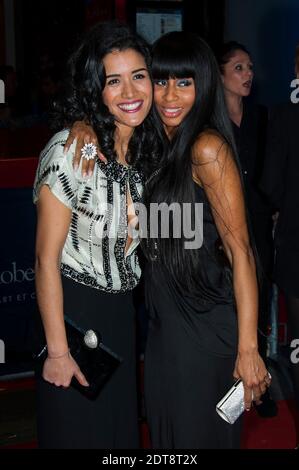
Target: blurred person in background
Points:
(280, 183)
(249, 123)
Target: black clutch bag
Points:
(96, 361)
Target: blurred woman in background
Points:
(249, 123)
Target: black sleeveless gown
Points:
(191, 351)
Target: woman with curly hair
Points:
(86, 261)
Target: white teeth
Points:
(130, 106)
(172, 110)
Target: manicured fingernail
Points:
(84, 174)
(90, 173)
(76, 166)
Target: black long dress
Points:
(191, 351)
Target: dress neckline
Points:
(118, 172)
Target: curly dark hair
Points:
(82, 94)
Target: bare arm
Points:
(84, 135)
(215, 169)
(52, 228)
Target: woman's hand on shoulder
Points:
(60, 371)
(251, 369)
(84, 135)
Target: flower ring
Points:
(89, 151)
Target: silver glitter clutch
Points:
(231, 406)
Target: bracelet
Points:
(61, 355)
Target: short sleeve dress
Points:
(98, 275)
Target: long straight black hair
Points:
(185, 55)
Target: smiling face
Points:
(128, 88)
(174, 98)
(237, 74)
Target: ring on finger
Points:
(89, 151)
(268, 377)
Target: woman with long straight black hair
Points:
(202, 301)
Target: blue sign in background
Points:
(17, 286)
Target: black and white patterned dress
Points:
(98, 275)
(94, 251)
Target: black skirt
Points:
(189, 362)
(68, 420)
